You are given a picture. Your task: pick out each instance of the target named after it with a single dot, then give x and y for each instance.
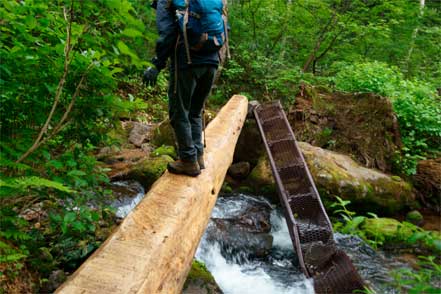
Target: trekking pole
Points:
(203, 124)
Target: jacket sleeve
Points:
(168, 32)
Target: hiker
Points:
(191, 36)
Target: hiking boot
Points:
(201, 161)
(184, 167)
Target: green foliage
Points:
(377, 234)
(165, 150)
(426, 280)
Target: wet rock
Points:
(337, 174)
(372, 265)
(317, 254)
(415, 217)
(200, 281)
(248, 232)
(235, 238)
(139, 133)
(239, 170)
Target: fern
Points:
(9, 253)
(23, 183)
(6, 163)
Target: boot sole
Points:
(177, 172)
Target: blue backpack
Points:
(202, 24)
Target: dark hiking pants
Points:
(185, 108)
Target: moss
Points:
(245, 189)
(226, 188)
(148, 171)
(118, 135)
(163, 135)
(387, 228)
(414, 217)
(200, 275)
(165, 150)
(261, 174)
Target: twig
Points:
(60, 125)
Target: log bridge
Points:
(153, 248)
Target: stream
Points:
(247, 247)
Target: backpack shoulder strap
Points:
(225, 17)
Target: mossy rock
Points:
(387, 228)
(369, 189)
(261, 175)
(165, 150)
(119, 134)
(245, 190)
(149, 170)
(226, 188)
(415, 217)
(200, 280)
(163, 134)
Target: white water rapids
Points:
(252, 276)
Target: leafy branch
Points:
(68, 16)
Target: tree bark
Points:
(319, 41)
(152, 250)
(415, 34)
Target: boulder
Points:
(163, 134)
(200, 281)
(262, 180)
(139, 133)
(261, 175)
(337, 174)
(248, 232)
(235, 238)
(239, 170)
(249, 147)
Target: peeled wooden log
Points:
(152, 250)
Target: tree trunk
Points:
(415, 34)
(152, 250)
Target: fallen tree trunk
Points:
(152, 250)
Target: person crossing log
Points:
(152, 250)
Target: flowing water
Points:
(238, 272)
(279, 272)
(127, 195)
